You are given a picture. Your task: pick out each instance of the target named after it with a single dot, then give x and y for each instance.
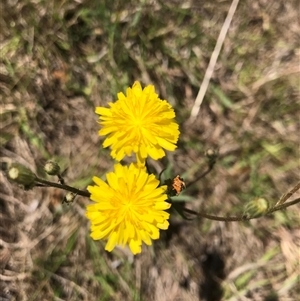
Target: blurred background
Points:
(60, 59)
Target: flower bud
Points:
(211, 155)
(69, 198)
(256, 207)
(52, 168)
(21, 175)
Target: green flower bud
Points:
(52, 168)
(256, 207)
(21, 175)
(211, 155)
(69, 198)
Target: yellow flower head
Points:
(139, 122)
(129, 209)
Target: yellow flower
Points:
(129, 209)
(139, 122)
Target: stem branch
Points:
(242, 218)
(64, 187)
(288, 194)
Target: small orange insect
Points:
(178, 185)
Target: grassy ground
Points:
(60, 59)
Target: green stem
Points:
(209, 169)
(288, 194)
(242, 218)
(64, 187)
(283, 206)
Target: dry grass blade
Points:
(213, 60)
